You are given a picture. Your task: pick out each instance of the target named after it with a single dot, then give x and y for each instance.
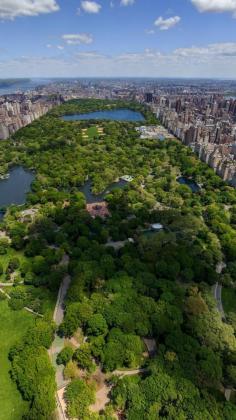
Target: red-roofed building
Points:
(98, 209)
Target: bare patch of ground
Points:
(102, 399)
(102, 391)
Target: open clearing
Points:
(92, 132)
(14, 324)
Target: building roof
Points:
(98, 209)
(157, 226)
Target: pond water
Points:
(13, 189)
(190, 183)
(112, 115)
(93, 198)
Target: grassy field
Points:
(229, 299)
(92, 132)
(13, 327)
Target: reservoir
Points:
(189, 182)
(110, 115)
(14, 188)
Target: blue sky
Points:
(156, 38)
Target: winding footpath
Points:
(217, 290)
(58, 344)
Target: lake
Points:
(13, 190)
(93, 198)
(190, 183)
(112, 115)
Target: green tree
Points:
(1, 269)
(231, 375)
(97, 325)
(35, 378)
(65, 356)
(83, 357)
(79, 396)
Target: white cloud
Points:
(77, 39)
(165, 24)
(215, 5)
(150, 31)
(59, 47)
(127, 2)
(90, 6)
(10, 9)
(213, 60)
(221, 50)
(90, 55)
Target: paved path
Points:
(228, 393)
(61, 404)
(217, 290)
(10, 284)
(58, 315)
(58, 343)
(7, 284)
(130, 372)
(5, 293)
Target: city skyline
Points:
(119, 38)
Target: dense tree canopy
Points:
(129, 281)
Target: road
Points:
(217, 290)
(58, 315)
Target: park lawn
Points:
(14, 325)
(92, 132)
(229, 299)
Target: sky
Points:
(118, 38)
